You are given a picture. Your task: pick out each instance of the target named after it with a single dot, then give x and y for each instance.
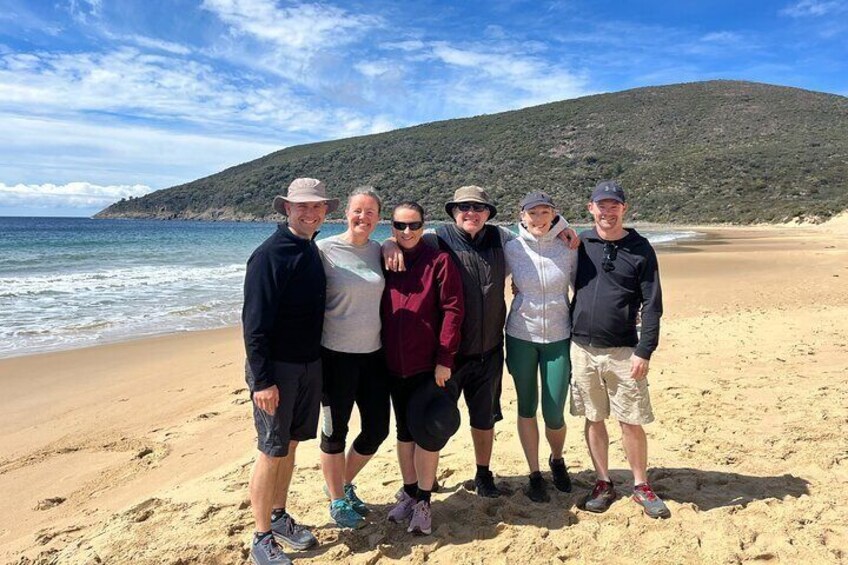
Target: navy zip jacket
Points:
(284, 297)
(606, 304)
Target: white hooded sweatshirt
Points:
(542, 271)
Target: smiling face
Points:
(538, 219)
(609, 217)
(363, 213)
(407, 238)
(305, 218)
(472, 219)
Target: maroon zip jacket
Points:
(421, 311)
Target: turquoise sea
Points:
(73, 282)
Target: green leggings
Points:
(525, 360)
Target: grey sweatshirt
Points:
(542, 270)
(354, 288)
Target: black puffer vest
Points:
(482, 264)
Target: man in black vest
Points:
(477, 249)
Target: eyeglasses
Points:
(401, 226)
(610, 253)
(469, 206)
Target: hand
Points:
(569, 236)
(638, 367)
(393, 256)
(267, 399)
(443, 375)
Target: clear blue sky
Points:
(101, 99)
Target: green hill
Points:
(718, 151)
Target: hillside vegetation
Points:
(719, 151)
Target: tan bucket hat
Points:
(471, 194)
(305, 190)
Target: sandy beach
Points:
(140, 452)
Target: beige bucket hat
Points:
(305, 190)
(471, 194)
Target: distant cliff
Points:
(719, 151)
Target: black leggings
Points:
(350, 378)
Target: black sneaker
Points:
(602, 497)
(537, 489)
(266, 551)
(484, 484)
(559, 474)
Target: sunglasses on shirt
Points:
(401, 226)
(469, 206)
(610, 253)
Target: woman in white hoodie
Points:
(538, 332)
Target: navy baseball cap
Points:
(608, 190)
(536, 199)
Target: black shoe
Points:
(537, 489)
(484, 484)
(559, 473)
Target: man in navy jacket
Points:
(617, 284)
(283, 318)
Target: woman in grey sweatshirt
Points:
(538, 332)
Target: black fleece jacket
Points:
(284, 298)
(606, 304)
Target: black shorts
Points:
(296, 418)
(402, 391)
(349, 378)
(479, 379)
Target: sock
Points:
(423, 495)
(411, 489)
(560, 460)
(259, 536)
(277, 513)
(482, 470)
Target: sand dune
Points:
(140, 452)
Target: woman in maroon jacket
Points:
(421, 312)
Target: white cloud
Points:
(71, 195)
(814, 8)
(302, 26)
(721, 37)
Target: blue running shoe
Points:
(344, 515)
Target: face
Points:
(305, 218)
(538, 219)
(471, 221)
(407, 238)
(362, 215)
(608, 213)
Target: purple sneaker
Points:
(403, 509)
(421, 522)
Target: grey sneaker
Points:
(403, 509)
(292, 533)
(654, 507)
(421, 522)
(266, 551)
(603, 495)
(355, 502)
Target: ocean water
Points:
(73, 282)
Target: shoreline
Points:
(678, 245)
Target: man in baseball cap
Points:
(283, 317)
(617, 278)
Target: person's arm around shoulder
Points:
(568, 236)
(452, 306)
(652, 309)
(393, 256)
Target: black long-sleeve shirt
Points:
(606, 304)
(284, 299)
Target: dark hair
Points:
(410, 205)
(366, 191)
